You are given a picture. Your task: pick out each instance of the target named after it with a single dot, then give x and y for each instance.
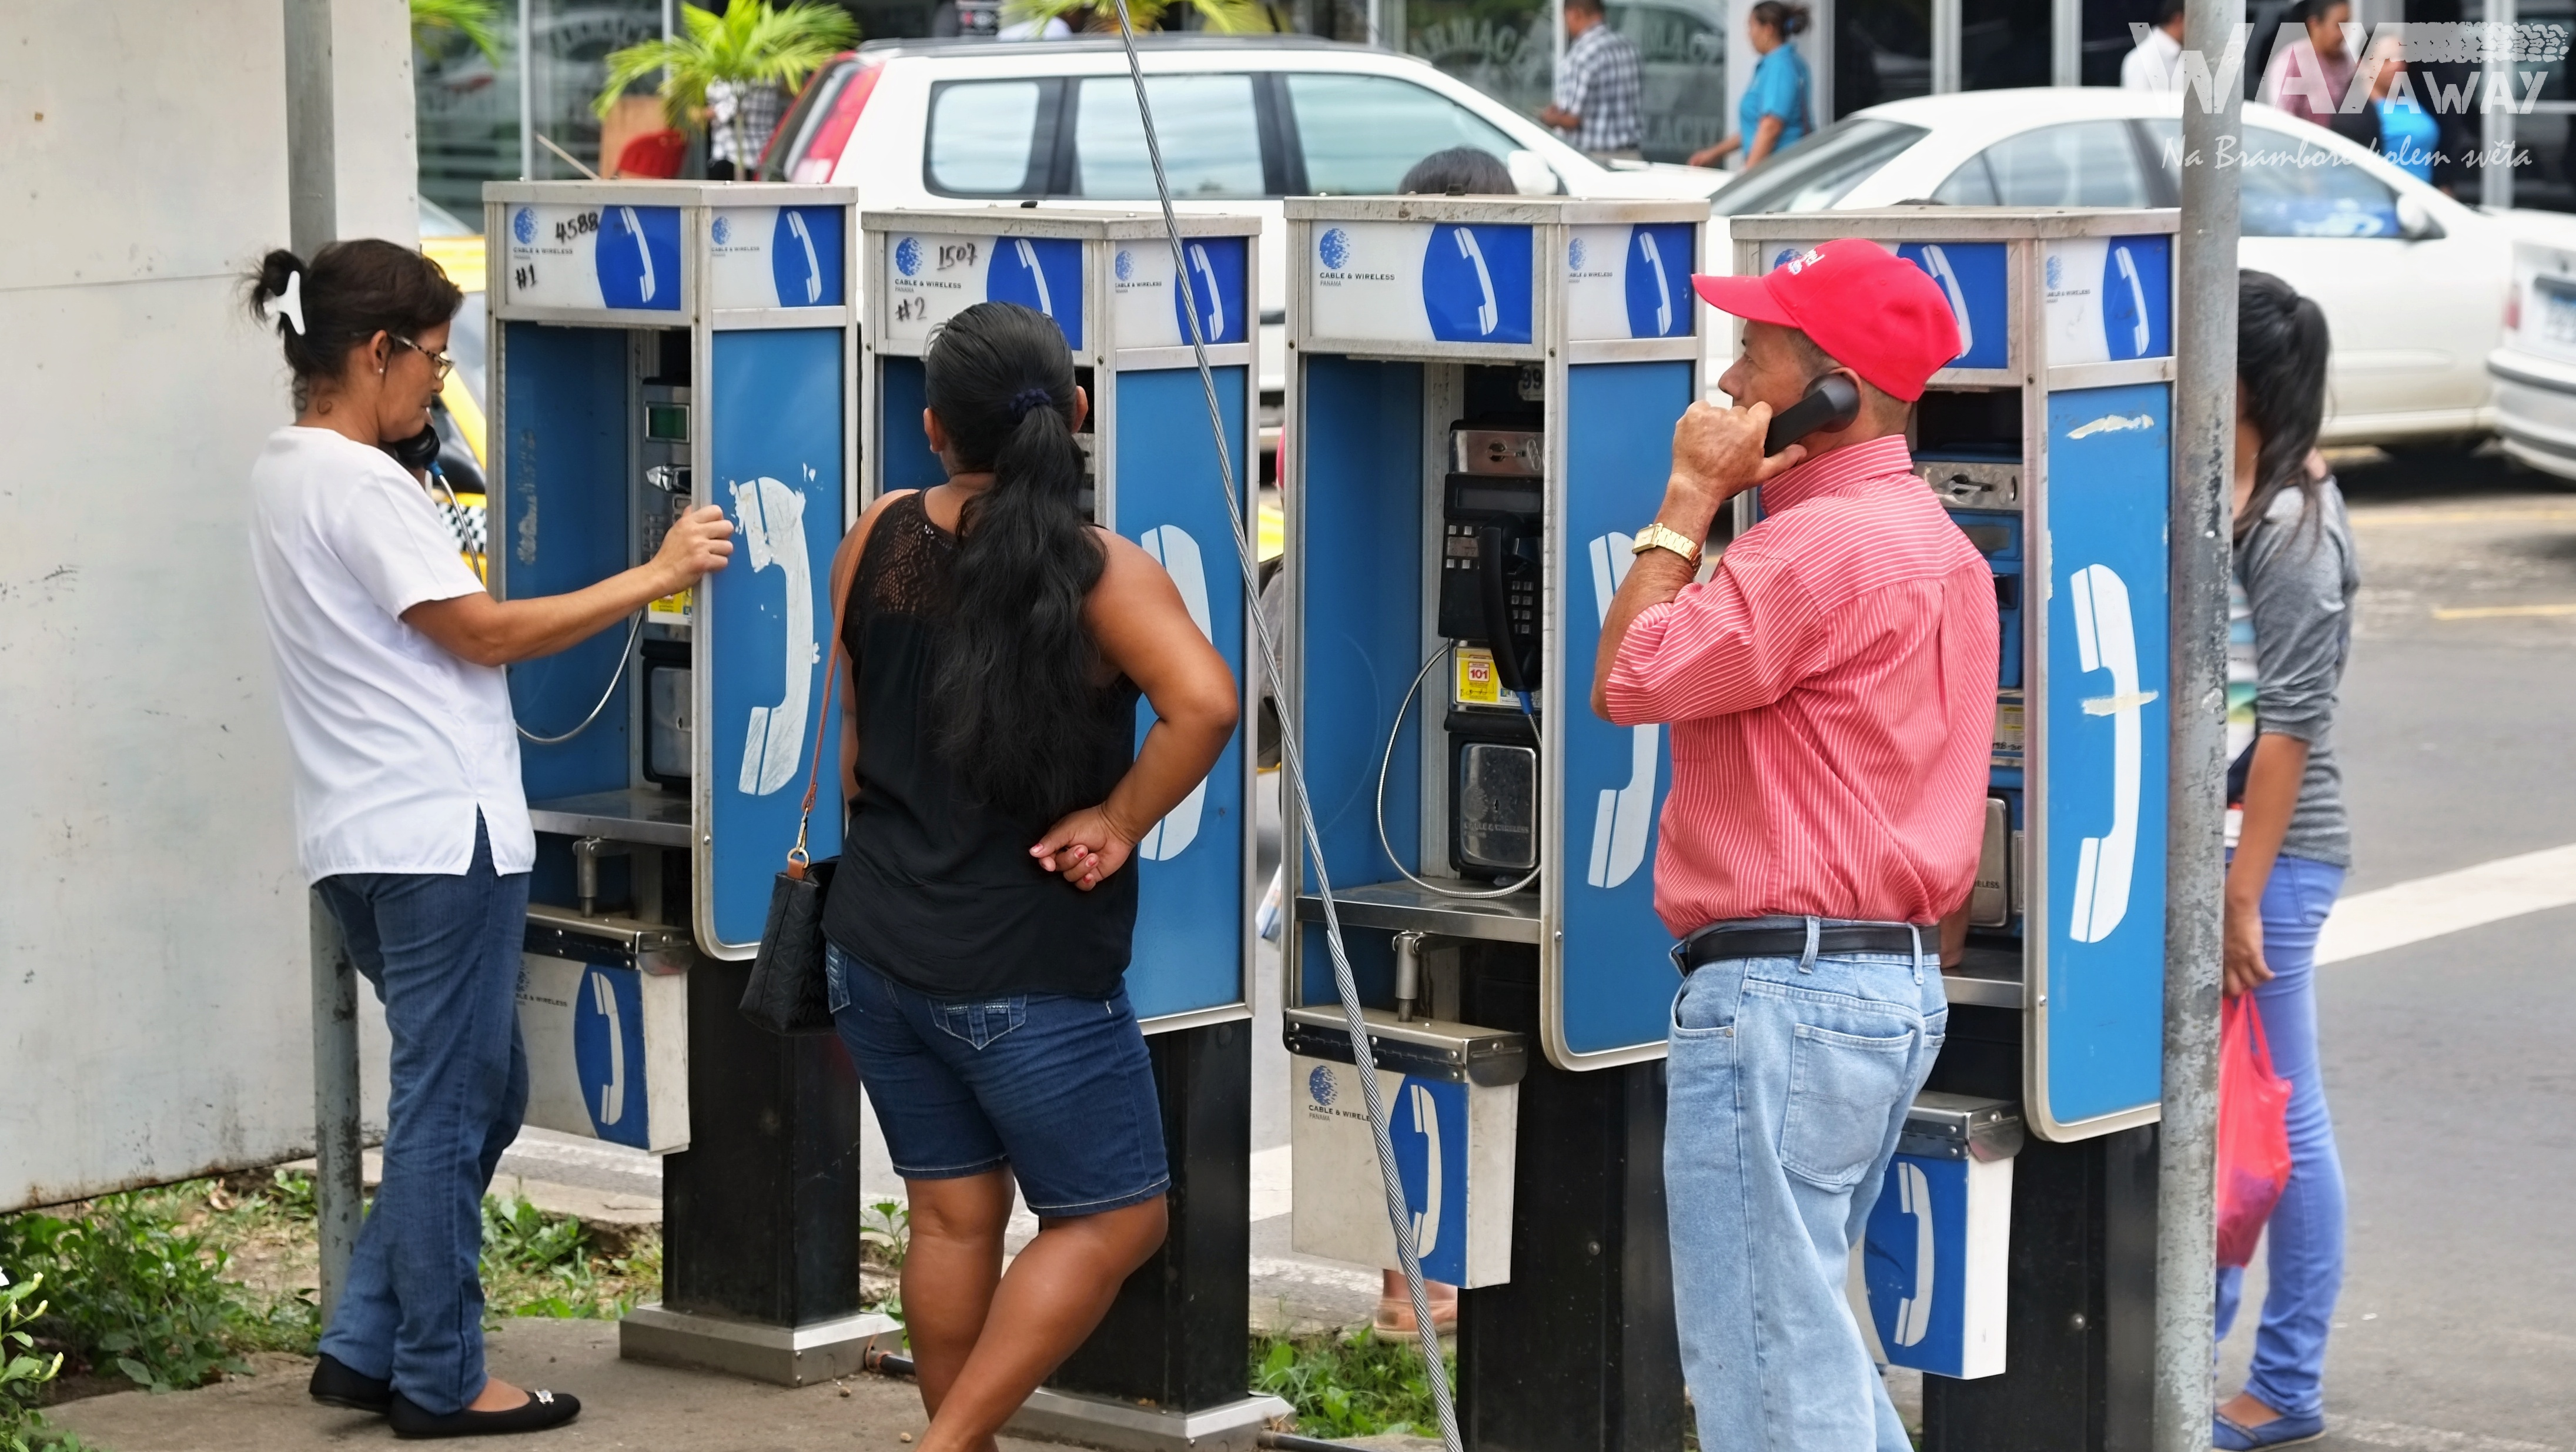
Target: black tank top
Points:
(935, 888)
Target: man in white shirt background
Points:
(2153, 66)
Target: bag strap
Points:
(798, 859)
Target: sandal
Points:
(2286, 1430)
(1395, 1316)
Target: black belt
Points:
(1767, 940)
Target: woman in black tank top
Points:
(980, 921)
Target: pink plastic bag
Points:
(2253, 1131)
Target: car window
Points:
(2292, 187)
(2084, 164)
(1815, 173)
(1361, 134)
(981, 133)
(1209, 130)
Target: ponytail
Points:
(1011, 698)
(1785, 16)
(347, 294)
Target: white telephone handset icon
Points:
(1037, 276)
(813, 265)
(2138, 331)
(2105, 639)
(1624, 818)
(1914, 1312)
(1178, 554)
(1489, 313)
(771, 517)
(612, 1095)
(1938, 262)
(1426, 1123)
(1663, 284)
(1215, 300)
(635, 229)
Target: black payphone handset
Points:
(1491, 518)
(1831, 404)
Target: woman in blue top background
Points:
(2394, 124)
(1773, 114)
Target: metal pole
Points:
(2204, 475)
(2066, 42)
(2495, 122)
(337, 1183)
(312, 189)
(527, 94)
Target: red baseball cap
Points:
(1874, 312)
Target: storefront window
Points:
(468, 107)
(1882, 52)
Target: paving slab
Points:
(624, 1405)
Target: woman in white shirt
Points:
(409, 815)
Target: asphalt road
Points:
(2448, 1062)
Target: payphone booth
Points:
(1481, 401)
(657, 346)
(1165, 1368)
(2020, 1271)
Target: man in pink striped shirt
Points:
(1831, 692)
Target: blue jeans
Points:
(443, 953)
(2305, 1234)
(1058, 1088)
(1790, 1079)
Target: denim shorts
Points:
(1057, 1088)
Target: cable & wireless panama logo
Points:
(1125, 265)
(907, 257)
(523, 225)
(1334, 247)
(722, 231)
(1321, 1087)
(1574, 255)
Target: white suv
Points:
(1243, 122)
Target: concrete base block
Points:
(786, 1355)
(1086, 1421)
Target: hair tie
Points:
(1029, 398)
(288, 304)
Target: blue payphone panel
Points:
(1110, 282)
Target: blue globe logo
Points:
(1126, 266)
(523, 226)
(1334, 247)
(1574, 255)
(907, 257)
(1320, 1085)
(722, 230)
(2056, 273)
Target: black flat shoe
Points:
(335, 1384)
(542, 1410)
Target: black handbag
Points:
(789, 993)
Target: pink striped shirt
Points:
(1831, 691)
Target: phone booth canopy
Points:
(1108, 281)
(2050, 439)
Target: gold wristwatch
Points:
(1661, 536)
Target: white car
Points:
(1243, 122)
(2535, 368)
(2413, 283)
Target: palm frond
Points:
(479, 21)
(752, 43)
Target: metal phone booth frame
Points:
(1165, 1367)
(657, 346)
(1480, 383)
(2026, 1280)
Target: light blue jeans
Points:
(443, 953)
(1790, 1079)
(2305, 1258)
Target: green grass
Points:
(1352, 1385)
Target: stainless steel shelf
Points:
(1397, 906)
(650, 818)
(1986, 977)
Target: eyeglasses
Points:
(438, 361)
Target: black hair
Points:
(2168, 10)
(2305, 11)
(1012, 698)
(351, 291)
(2281, 349)
(1594, 7)
(1784, 16)
(1461, 171)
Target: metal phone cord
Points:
(482, 568)
(1386, 759)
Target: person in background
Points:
(1461, 171)
(981, 921)
(2154, 64)
(1773, 115)
(2289, 635)
(739, 120)
(2394, 124)
(410, 818)
(2310, 70)
(1600, 87)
